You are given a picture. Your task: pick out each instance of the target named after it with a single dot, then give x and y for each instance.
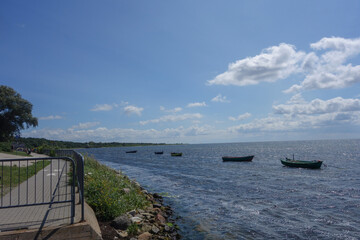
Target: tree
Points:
(15, 113)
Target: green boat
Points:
(175, 154)
(301, 164)
(238, 159)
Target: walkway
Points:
(37, 189)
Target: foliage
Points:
(15, 113)
(48, 144)
(5, 147)
(133, 229)
(104, 191)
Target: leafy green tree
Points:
(15, 113)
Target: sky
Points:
(205, 71)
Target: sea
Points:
(261, 199)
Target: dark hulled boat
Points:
(159, 152)
(238, 159)
(134, 151)
(175, 154)
(301, 164)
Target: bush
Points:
(103, 188)
(5, 146)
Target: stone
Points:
(122, 222)
(145, 236)
(155, 230)
(136, 220)
(157, 205)
(161, 218)
(126, 190)
(122, 234)
(132, 213)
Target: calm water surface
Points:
(252, 200)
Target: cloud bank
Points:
(327, 70)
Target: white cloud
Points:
(220, 98)
(133, 110)
(174, 110)
(274, 63)
(102, 107)
(318, 106)
(240, 117)
(298, 114)
(84, 125)
(329, 70)
(51, 117)
(173, 118)
(197, 104)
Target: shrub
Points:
(5, 146)
(103, 188)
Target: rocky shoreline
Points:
(154, 222)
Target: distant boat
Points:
(238, 159)
(131, 151)
(301, 164)
(159, 152)
(174, 154)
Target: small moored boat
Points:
(131, 151)
(301, 164)
(159, 152)
(175, 154)
(238, 159)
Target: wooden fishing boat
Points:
(238, 159)
(301, 164)
(176, 154)
(134, 151)
(159, 152)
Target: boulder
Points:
(122, 222)
(145, 236)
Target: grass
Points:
(14, 175)
(17, 153)
(103, 188)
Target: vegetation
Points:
(110, 193)
(48, 144)
(15, 113)
(18, 174)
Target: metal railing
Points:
(79, 170)
(37, 181)
(43, 181)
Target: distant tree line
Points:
(34, 143)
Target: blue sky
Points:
(185, 71)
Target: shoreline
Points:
(155, 221)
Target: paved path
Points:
(38, 189)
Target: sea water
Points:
(251, 200)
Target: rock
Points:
(136, 220)
(155, 195)
(157, 205)
(155, 230)
(126, 190)
(145, 192)
(161, 218)
(145, 236)
(167, 228)
(122, 222)
(146, 228)
(122, 234)
(132, 213)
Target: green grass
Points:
(17, 153)
(14, 175)
(103, 188)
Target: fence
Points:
(44, 181)
(79, 163)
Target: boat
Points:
(131, 151)
(175, 154)
(301, 164)
(238, 159)
(159, 152)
